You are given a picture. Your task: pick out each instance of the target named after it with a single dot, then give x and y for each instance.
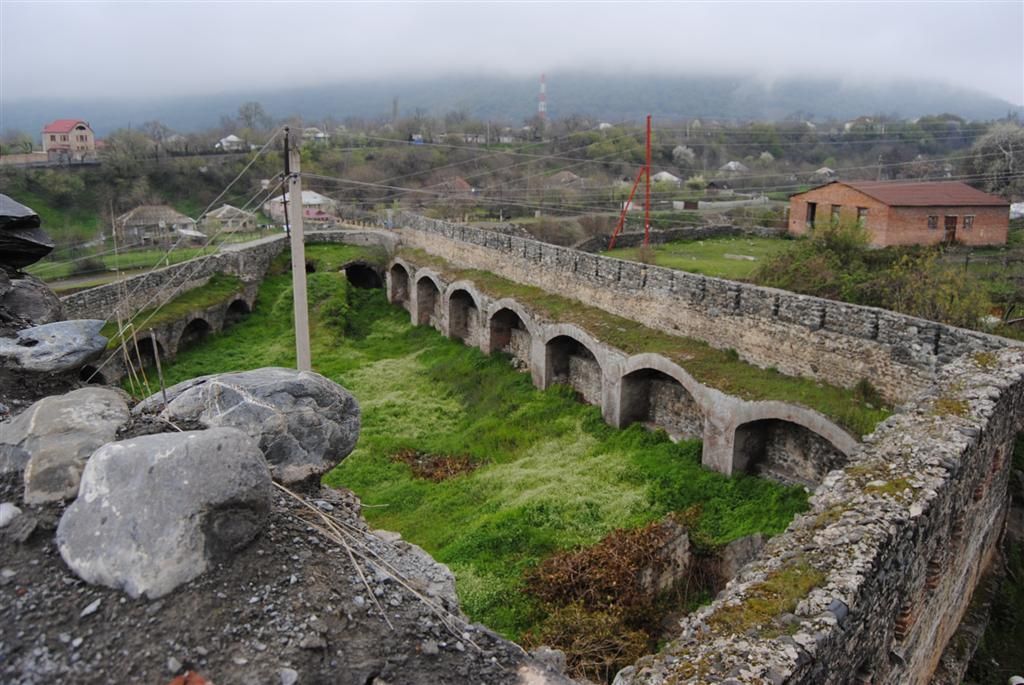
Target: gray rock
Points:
(8, 512)
(52, 439)
(289, 676)
(154, 512)
(737, 553)
(31, 301)
(554, 659)
(304, 423)
(53, 347)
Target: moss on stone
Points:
(777, 594)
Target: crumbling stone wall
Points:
(585, 377)
(154, 288)
(896, 543)
(799, 335)
(785, 452)
(673, 409)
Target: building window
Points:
(835, 213)
(812, 210)
(933, 223)
(968, 222)
(862, 215)
(64, 138)
(53, 138)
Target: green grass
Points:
(125, 261)
(220, 289)
(720, 369)
(553, 475)
(708, 257)
(63, 225)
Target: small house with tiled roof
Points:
(229, 219)
(69, 140)
(155, 224)
(905, 212)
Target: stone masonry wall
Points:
(672, 408)
(796, 334)
(585, 377)
(154, 288)
(897, 540)
(796, 455)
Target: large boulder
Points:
(28, 301)
(22, 241)
(156, 511)
(53, 347)
(52, 439)
(304, 423)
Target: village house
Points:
(231, 143)
(154, 225)
(311, 134)
(315, 207)
(229, 219)
(905, 213)
(69, 140)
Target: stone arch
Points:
(363, 275)
(236, 311)
(91, 374)
(143, 353)
(657, 391)
(510, 329)
(195, 331)
(572, 357)
(788, 443)
(428, 300)
(398, 284)
(463, 306)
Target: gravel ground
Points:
(289, 608)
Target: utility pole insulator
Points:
(301, 307)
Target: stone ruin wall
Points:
(798, 335)
(249, 262)
(157, 287)
(902, 536)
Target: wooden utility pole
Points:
(294, 185)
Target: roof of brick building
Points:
(923, 193)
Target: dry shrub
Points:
(596, 224)
(597, 644)
(645, 254)
(606, 574)
(435, 467)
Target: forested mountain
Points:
(609, 97)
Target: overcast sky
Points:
(170, 48)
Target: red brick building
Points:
(905, 213)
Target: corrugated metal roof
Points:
(924, 193)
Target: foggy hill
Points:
(611, 98)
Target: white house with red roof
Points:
(69, 139)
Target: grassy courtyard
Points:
(735, 258)
(544, 474)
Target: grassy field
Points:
(721, 369)
(709, 257)
(551, 475)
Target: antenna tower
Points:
(542, 100)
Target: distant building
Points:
(314, 135)
(315, 207)
(734, 167)
(69, 140)
(231, 143)
(666, 177)
(905, 213)
(155, 224)
(229, 220)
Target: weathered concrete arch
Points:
(142, 353)
(509, 328)
(463, 304)
(236, 311)
(573, 357)
(362, 274)
(519, 310)
(788, 442)
(654, 389)
(195, 331)
(399, 276)
(428, 311)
